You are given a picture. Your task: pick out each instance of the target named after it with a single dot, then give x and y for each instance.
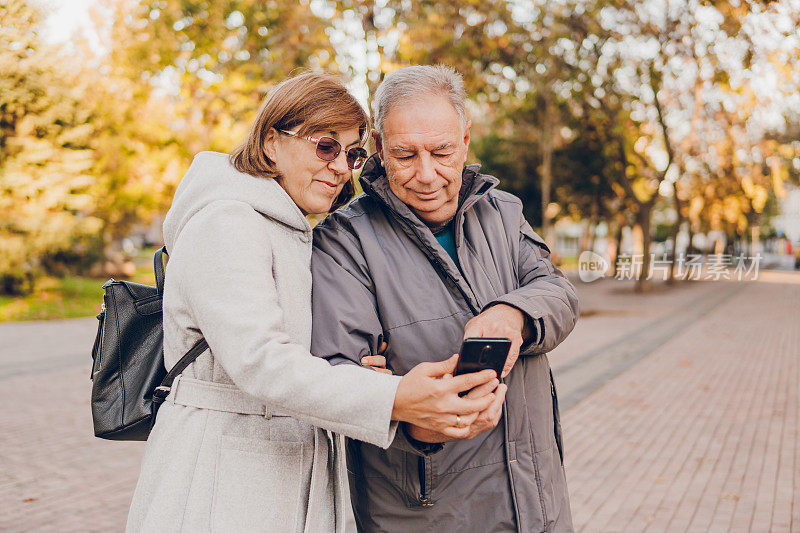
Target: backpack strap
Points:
(158, 264)
(162, 391)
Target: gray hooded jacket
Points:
(378, 274)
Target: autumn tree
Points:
(48, 221)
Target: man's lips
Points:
(427, 195)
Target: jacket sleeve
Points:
(222, 263)
(545, 295)
(347, 324)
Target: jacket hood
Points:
(474, 185)
(211, 178)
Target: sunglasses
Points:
(328, 149)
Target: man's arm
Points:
(538, 315)
(346, 324)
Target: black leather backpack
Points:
(129, 380)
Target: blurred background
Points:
(611, 120)
(659, 129)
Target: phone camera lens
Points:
(483, 359)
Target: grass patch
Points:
(69, 297)
(568, 264)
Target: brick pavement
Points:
(700, 435)
(54, 475)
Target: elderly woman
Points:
(241, 443)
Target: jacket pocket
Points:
(257, 485)
(553, 491)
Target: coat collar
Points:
(474, 186)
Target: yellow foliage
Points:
(643, 189)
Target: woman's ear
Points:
(270, 144)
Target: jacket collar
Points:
(474, 186)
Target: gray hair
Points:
(411, 82)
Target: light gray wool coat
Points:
(237, 446)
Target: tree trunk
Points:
(593, 224)
(676, 228)
(643, 219)
(547, 147)
(618, 238)
(755, 230)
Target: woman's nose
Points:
(339, 165)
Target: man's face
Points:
(423, 149)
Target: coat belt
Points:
(217, 397)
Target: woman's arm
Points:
(221, 265)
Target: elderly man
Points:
(432, 253)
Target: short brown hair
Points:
(311, 101)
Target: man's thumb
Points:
(438, 370)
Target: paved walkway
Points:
(680, 414)
(702, 433)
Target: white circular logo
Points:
(592, 266)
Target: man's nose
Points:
(339, 165)
(426, 173)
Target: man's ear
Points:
(378, 144)
(467, 134)
(270, 144)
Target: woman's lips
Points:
(329, 186)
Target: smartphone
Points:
(478, 353)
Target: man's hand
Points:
(501, 320)
(486, 420)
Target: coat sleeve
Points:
(545, 295)
(346, 322)
(224, 272)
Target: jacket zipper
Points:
(475, 311)
(425, 461)
(97, 349)
(425, 470)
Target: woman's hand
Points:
(377, 362)
(485, 421)
(426, 400)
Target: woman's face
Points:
(312, 183)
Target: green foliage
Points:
(514, 163)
